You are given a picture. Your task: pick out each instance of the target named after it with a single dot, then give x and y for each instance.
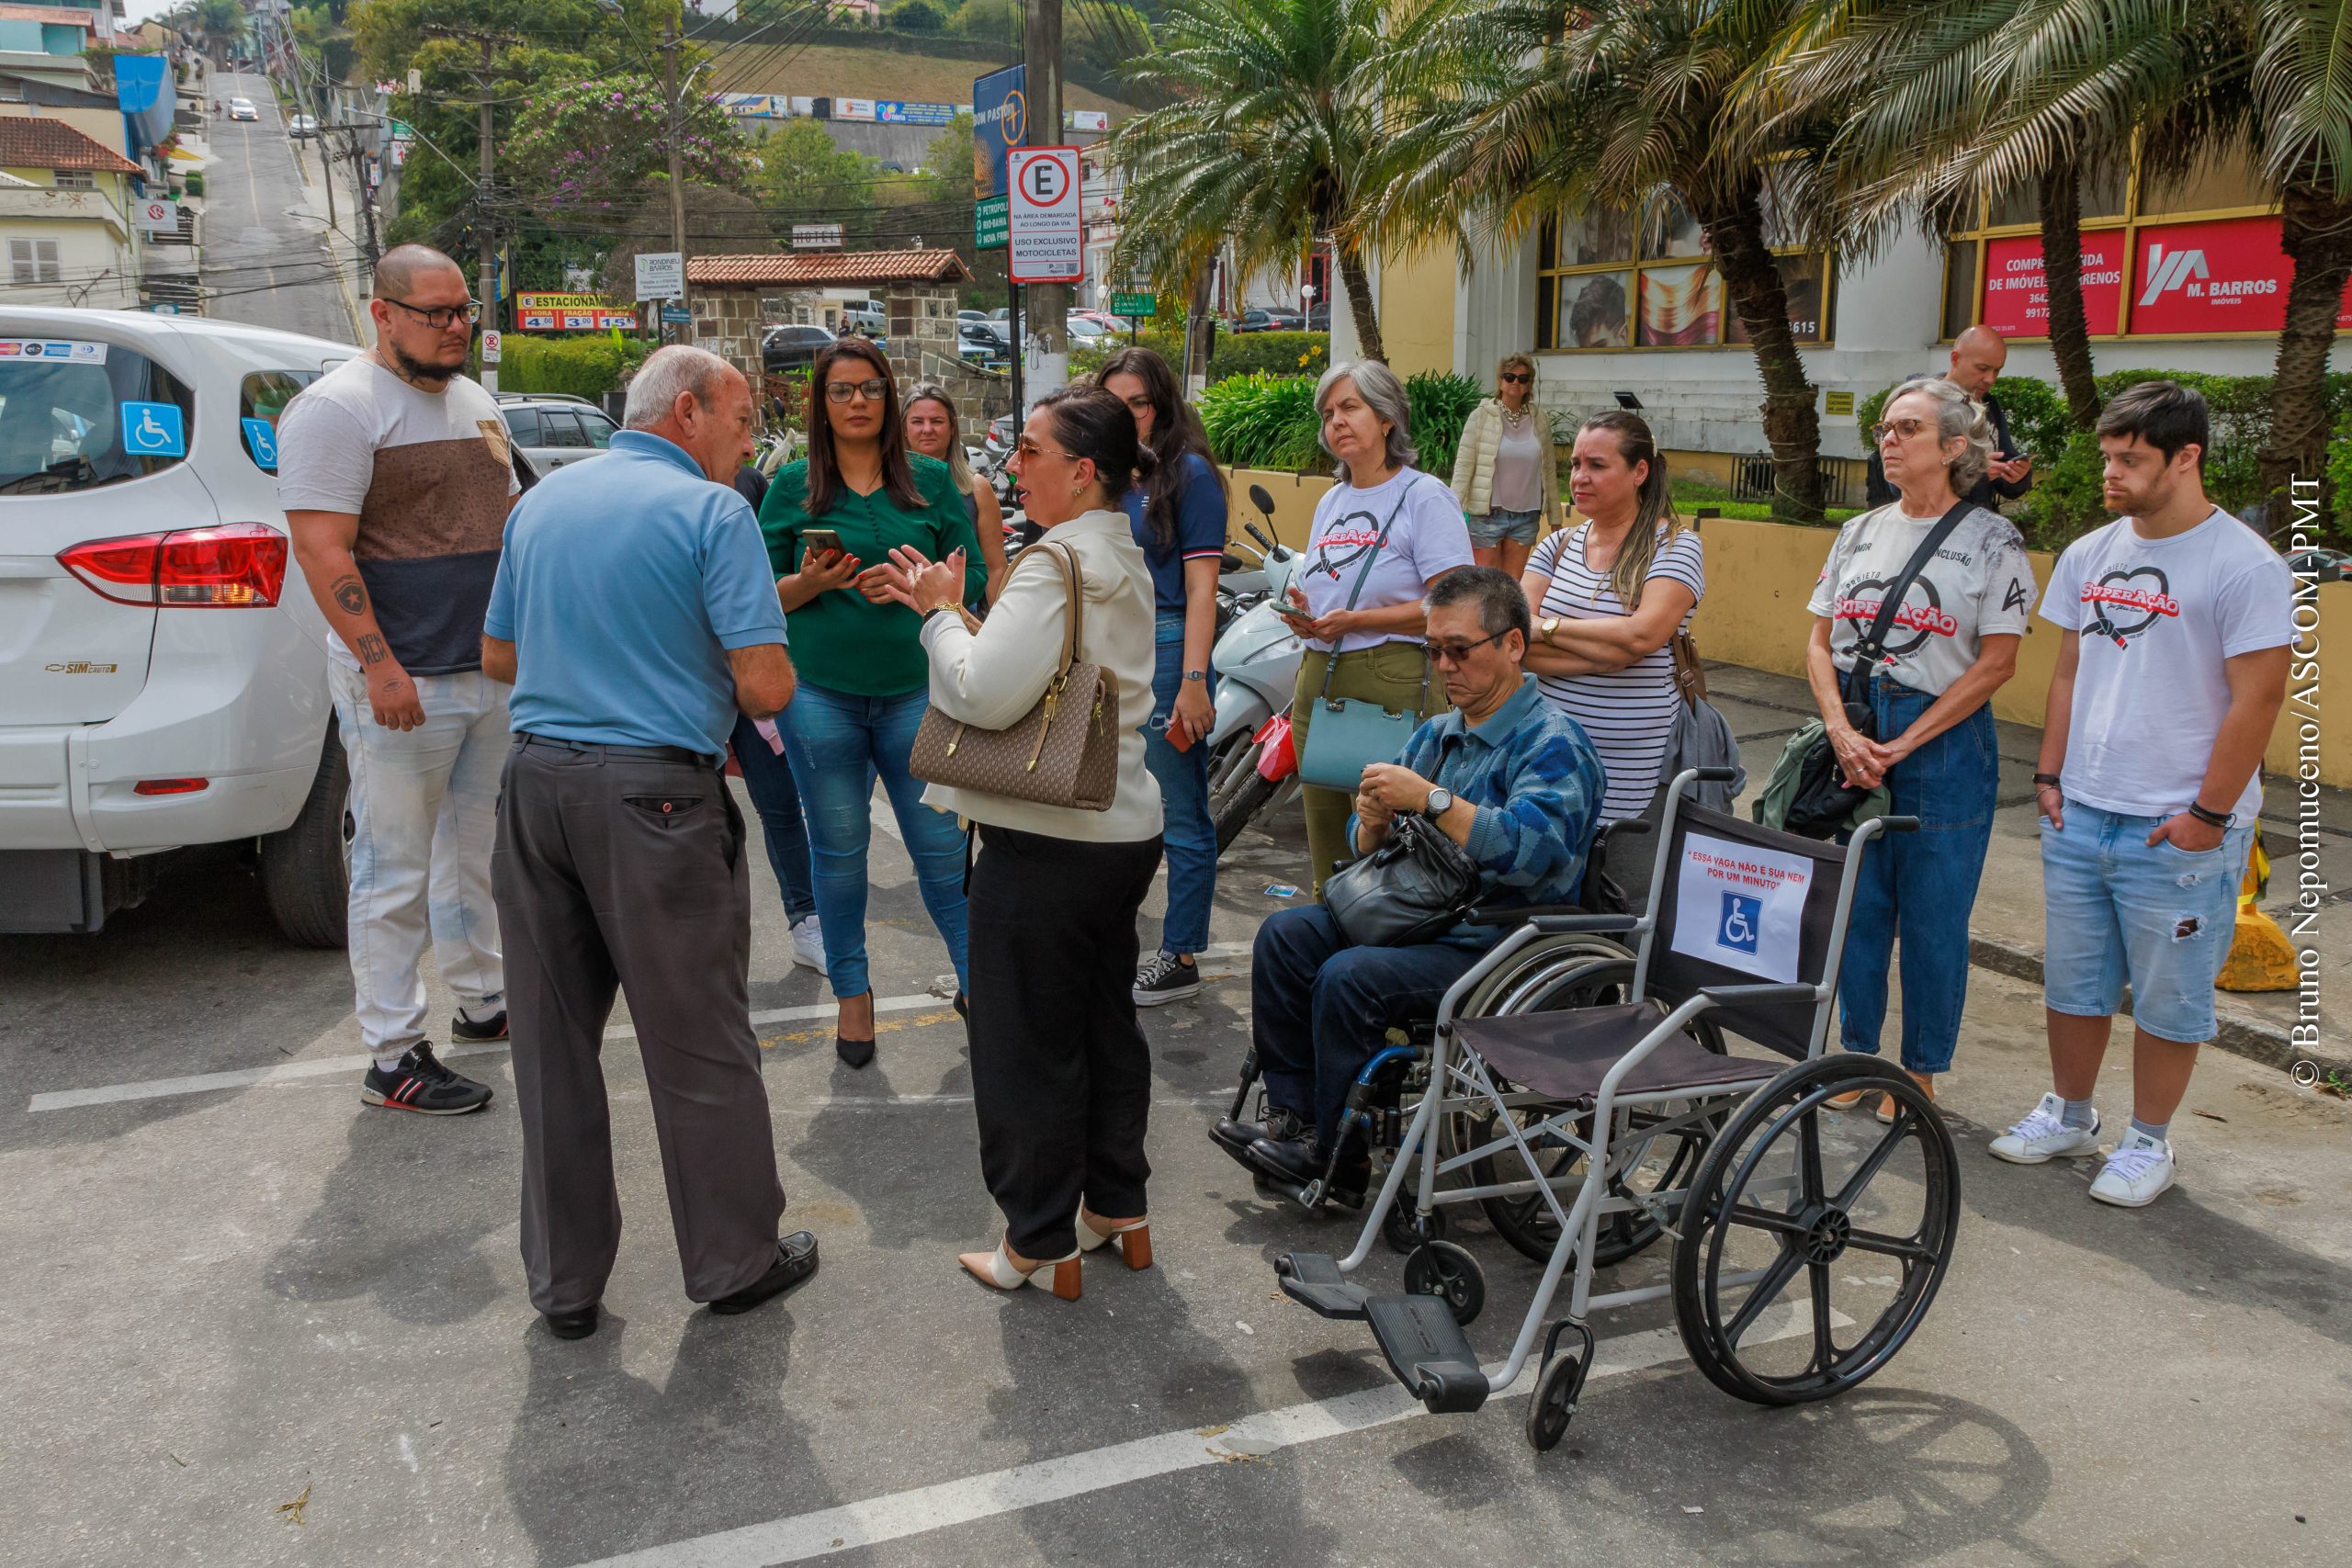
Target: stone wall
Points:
(922, 341)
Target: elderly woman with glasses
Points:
(1503, 473)
(831, 521)
(1950, 644)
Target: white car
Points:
(162, 667)
(303, 125)
(243, 108)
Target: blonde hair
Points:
(958, 468)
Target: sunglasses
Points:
(1028, 450)
(1905, 428)
(1516, 376)
(1456, 652)
(872, 390)
(440, 317)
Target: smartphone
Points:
(820, 541)
(1292, 614)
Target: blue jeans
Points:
(838, 744)
(1189, 836)
(2121, 909)
(768, 778)
(1320, 1008)
(1921, 885)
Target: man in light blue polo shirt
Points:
(634, 615)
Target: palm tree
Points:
(1508, 112)
(1269, 140)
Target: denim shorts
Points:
(2162, 918)
(1492, 529)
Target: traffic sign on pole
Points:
(661, 274)
(988, 224)
(1045, 231)
(1134, 305)
(491, 341)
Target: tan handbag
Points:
(1064, 752)
(1689, 675)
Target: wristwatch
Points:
(1545, 627)
(1196, 675)
(1441, 801)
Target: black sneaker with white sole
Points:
(1163, 980)
(465, 1032)
(421, 1084)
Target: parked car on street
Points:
(553, 430)
(243, 108)
(162, 666)
(986, 343)
(865, 317)
(1275, 320)
(2321, 564)
(792, 347)
(1084, 330)
(303, 125)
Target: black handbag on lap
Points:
(1414, 888)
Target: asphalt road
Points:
(225, 1296)
(262, 251)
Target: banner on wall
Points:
(2017, 299)
(2224, 276)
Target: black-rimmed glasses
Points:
(872, 390)
(441, 318)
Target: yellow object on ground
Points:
(2261, 958)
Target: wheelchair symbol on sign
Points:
(155, 430)
(1739, 929)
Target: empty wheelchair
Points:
(1807, 1246)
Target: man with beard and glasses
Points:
(396, 478)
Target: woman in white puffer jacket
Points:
(1504, 475)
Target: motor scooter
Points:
(1253, 768)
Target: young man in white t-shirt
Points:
(2176, 621)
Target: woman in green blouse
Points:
(863, 680)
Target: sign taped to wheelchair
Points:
(1740, 907)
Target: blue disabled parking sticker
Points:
(153, 430)
(261, 439)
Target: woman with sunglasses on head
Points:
(1503, 473)
(1061, 1077)
(1179, 523)
(832, 520)
(1608, 595)
(1951, 644)
(935, 431)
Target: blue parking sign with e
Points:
(261, 439)
(1741, 924)
(153, 430)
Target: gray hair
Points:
(681, 368)
(1502, 604)
(1379, 385)
(1957, 413)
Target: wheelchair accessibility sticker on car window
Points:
(1740, 907)
(261, 440)
(153, 430)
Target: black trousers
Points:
(1061, 1077)
(624, 874)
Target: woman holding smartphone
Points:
(830, 521)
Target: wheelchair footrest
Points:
(1428, 1352)
(1314, 1281)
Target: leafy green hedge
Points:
(1269, 422)
(584, 367)
(1276, 354)
(2066, 500)
(193, 182)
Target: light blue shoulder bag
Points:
(1346, 733)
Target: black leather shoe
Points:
(1300, 1160)
(852, 1053)
(1235, 1137)
(573, 1325)
(795, 1261)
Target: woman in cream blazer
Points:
(1504, 475)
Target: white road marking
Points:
(329, 1066)
(925, 1508)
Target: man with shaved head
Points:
(1977, 355)
(395, 474)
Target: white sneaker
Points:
(2043, 1135)
(808, 944)
(2140, 1168)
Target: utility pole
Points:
(486, 235)
(677, 174)
(1048, 302)
(360, 194)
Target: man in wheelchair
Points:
(1505, 775)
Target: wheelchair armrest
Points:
(1515, 914)
(1562, 925)
(1733, 996)
(1631, 827)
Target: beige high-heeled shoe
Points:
(996, 1268)
(1131, 1241)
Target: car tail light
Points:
(233, 567)
(169, 786)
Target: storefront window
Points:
(1610, 281)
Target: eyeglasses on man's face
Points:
(441, 318)
(873, 389)
(1456, 652)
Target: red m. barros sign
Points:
(2199, 280)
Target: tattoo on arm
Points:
(350, 594)
(370, 649)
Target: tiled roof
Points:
(808, 271)
(54, 144)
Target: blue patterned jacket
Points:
(1537, 783)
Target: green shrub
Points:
(1263, 421)
(916, 16)
(1440, 401)
(1276, 354)
(194, 182)
(583, 366)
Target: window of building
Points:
(2191, 254)
(76, 179)
(32, 260)
(1609, 278)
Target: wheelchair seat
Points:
(1566, 1054)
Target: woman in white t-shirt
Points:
(1952, 643)
(1380, 537)
(1608, 596)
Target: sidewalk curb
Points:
(2259, 1043)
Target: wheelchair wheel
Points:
(1526, 1221)
(1443, 1269)
(1860, 1218)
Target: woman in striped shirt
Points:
(1608, 595)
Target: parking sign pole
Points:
(1048, 302)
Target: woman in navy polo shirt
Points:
(1180, 524)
